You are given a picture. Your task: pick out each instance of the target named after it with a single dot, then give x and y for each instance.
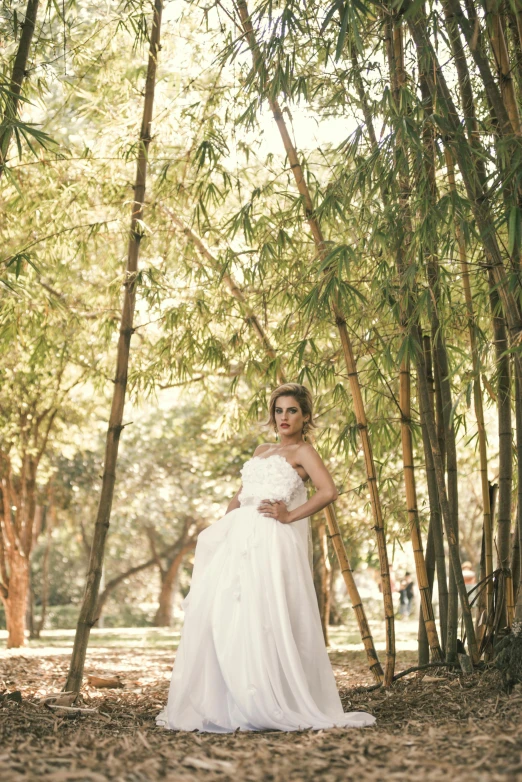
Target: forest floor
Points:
(431, 728)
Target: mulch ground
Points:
(439, 727)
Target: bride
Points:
(252, 654)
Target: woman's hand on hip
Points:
(276, 510)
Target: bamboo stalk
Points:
(468, 107)
(395, 53)
(413, 514)
(477, 393)
(466, 157)
(17, 77)
(351, 586)
(443, 390)
(433, 495)
(88, 609)
(472, 32)
(505, 467)
(351, 366)
(322, 572)
(518, 420)
(449, 522)
(422, 637)
(495, 27)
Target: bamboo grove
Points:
(325, 191)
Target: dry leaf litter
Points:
(434, 726)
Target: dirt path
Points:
(440, 728)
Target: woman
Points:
(252, 654)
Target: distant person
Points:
(406, 594)
(470, 578)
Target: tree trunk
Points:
(88, 608)
(351, 366)
(17, 78)
(15, 604)
(44, 597)
(163, 617)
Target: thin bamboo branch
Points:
(231, 284)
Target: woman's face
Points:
(288, 415)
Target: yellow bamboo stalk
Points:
(315, 228)
(353, 592)
(87, 615)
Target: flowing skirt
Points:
(252, 654)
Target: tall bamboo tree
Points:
(87, 615)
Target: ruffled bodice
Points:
(270, 478)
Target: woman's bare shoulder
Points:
(306, 451)
(308, 458)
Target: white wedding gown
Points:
(252, 654)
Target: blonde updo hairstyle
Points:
(303, 397)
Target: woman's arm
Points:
(309, 459)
